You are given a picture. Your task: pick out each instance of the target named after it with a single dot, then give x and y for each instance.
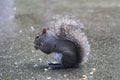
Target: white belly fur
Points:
(57, 56)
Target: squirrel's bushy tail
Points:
(69, 28)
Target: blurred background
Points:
(21, 20)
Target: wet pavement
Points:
(20, 61)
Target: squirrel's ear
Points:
(44, 31)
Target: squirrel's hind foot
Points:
(55, 65)
(59, 66)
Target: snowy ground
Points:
(20, 61)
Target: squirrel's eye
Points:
(37, 37)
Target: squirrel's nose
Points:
(36, 47)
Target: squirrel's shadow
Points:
(41, 67)
(35, 67)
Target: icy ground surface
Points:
(20, 61)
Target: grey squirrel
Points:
(65, 40)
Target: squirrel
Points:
(65, 40)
